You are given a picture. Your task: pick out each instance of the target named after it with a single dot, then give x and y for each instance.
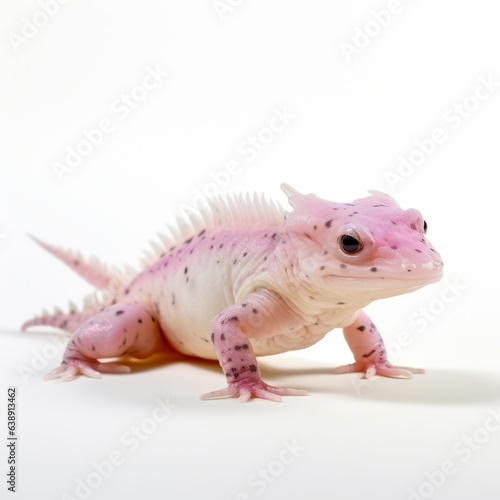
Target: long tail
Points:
(72, 319)
(93, 271)
(111, 282)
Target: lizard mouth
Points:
(382, 282)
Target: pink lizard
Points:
(247, 279)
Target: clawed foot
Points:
(246, 388)
(383, 368)
(71, 368)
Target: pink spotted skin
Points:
(247, 280)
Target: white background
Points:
(354, 117)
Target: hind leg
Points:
(121, 329)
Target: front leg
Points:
(261, 315)
(368, 348)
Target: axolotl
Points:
(247, 279)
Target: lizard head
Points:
(368, 243)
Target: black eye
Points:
(349, 244)
(425, 226)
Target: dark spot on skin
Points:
(237, 348)
(409, 270)
(185, 270)
(307, 236)
(328, 223)
(117, 313)
(417, 250)
(127, 291)
(212, 336)
(191, 251)
(340, 303)
(369, 354)
(236, 375)
(273, 236)
(350, 204)
(234, 261)
(93, 347)
(252, 368)
(254, 311)
(152, 319)
(218, 261)
(173, 298)
(211, 246)
(222, 337)
(187, 242)
(375, 206)
(244, 346)
(343, 266)
(234, 318)
(315, 227)
(229, 360)
(76, 262)
(395, 223)
(201, 233)
(139, 320)
(373, 269)
(322, 268)
(187, 279)
(64, 324)
(233, 369)
(325, 252)
(245, 254)
(361, 328)
(413, 226)
(265, 258)
(205, 340)
(394, 247)
(244, 304)
(221, 245)
(432, 249)
(136, 337)
(162, 255)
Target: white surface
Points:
(352, 120)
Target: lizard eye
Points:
(425, 226)
(350, 244)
